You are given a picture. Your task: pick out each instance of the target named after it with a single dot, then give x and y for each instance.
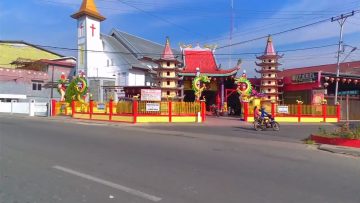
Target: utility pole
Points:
(231, 29)
(341, 20)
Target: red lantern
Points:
(343, 80)
(332, 79)
(326, 84)
(337, 79)
(355, 82)
(349, 80)
(326, 78)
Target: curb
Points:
(340, 149)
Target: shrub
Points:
(344, 131)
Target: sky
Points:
(48, 22)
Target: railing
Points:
(300, 112)
(185, 108)
(126, 110)
(124, 107)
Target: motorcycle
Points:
(266, 123)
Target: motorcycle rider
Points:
(256, 113)
(263, 115)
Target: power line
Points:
(159, 54)
(158, 17)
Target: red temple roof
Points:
(203, 58)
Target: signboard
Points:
(317, 96)
(152, 106)
(283, 109)
(150, 95)
(304, 78)
(100, 106)
(350, 92)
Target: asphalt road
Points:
(72, 161)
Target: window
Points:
(269, 82)
(168, 92)
(269, 97)
(107, 63)
(269, 60)
(168, 82)
(168, 73)
(168, 64)
(37, 85)
(269, 90)
(112, 62)
(269, 68)
(269, 75)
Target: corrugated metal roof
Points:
(348, 67)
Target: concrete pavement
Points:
(103, 162)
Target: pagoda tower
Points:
(167, 75)
(270, 82)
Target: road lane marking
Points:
(108, 183)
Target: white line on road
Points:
(110, 184)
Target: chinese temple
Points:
(199, 60)
(168, 74)
(270, 82)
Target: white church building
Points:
(114, 61)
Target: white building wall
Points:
(136, 78)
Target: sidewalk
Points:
(340, 149)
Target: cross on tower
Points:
(92, 28)
(81, 29)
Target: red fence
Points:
(300, 113)
(130, 111)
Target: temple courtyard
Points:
(222, 160)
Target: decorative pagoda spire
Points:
(167, 53)
(269, 49)
(88, 7)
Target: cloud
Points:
(117, 7)
(290, 16)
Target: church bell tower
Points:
(89, 42)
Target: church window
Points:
(81, 29)
(168, 64)
(107, 63)
(81, 48)
(112, 62)
(168, 82)
(168, 73)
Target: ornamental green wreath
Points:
(247, 91)
(74, 92)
